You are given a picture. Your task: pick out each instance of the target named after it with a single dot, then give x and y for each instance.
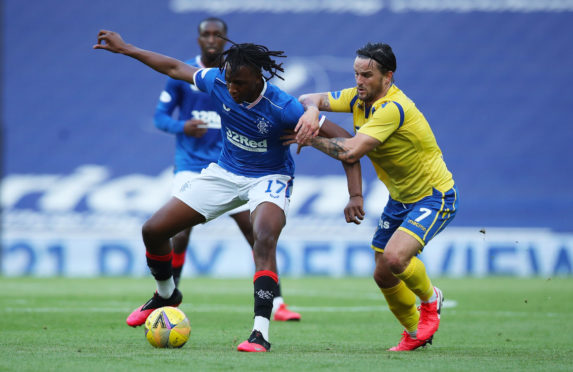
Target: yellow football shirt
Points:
(408, 160)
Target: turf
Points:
(58, 324)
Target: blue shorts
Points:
(422, 220)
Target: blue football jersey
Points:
(191, 153)
(251, 131)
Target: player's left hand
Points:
(354, 210)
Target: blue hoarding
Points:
(81, 154)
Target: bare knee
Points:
(395, 262)
(400, 250)
(264, 242)
(384, 278)
(152, 234)
(382, 274)
(378, 278)
(264, 251)
(268, 221)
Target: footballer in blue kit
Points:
(198, 143)
(255, 168)
(251, 131)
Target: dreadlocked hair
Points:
(252, 55)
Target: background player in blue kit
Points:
(254, 167)
(198, 142)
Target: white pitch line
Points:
(206, 308)
(191, 308)
(63, 309)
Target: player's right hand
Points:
(110, 41)
(195, 128)
(354, 210)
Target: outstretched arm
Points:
(112, 42)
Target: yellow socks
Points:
(417, 280)
(402, 303)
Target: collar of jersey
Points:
(391, 91)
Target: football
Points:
(167, 327)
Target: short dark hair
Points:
(257, 57)
(213, 19)
(381, 53)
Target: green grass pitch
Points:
(58, 324)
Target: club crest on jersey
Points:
(263, 125)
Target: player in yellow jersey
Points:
(394, 134)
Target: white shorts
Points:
(182, 177)
(216, 191)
